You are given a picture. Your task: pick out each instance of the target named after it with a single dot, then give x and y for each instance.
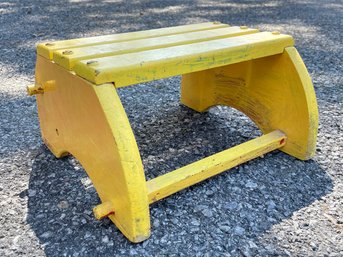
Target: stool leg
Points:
(275, 92)
(89, 122)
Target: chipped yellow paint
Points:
(258, 73)
(41, 88)
(166, 62)
(275, 92)
(46, 49)
(104, 210)
(90, 123)
(83, 53)
(34, 89)
(191, 174)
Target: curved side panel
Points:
(276, 92)
(89, 122)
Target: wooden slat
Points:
(191, 174)
(133, 68)
(46, 49)
(68, 60)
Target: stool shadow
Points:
(61, 196)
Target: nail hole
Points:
(67, 52)
(282, 141)
(57, 132)
(92, 62)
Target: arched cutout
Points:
(275, 92)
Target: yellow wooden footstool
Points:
(259, 73)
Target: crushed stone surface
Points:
(271, 206)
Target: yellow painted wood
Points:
(260, 74)
(275, 92)
(191, 174)
(34, 89)
(103, 210)
(82, 53)
(46, 49)
(90, 123)
(41, 88)
(161, 63)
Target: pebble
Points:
(271, 205)
(251, 185)
(46, 234)
(195, 223)
(105, 239)
(231, 206)
(31, 192)
(63, 205)
(225, 229)
(156, 223)
(239, 231)
(207, 213)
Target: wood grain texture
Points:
(275, 92)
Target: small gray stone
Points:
(271, 205)
(105, 239)
(63, 205)
(239, 231)
(225, 229)
(88, 234)
(156, 223)
(200, 207)
(133, 252)
(231, 206)
(31, 192)
(195, 222)
(207, 213)
(46, 234)
(251, 185)
(209, 192)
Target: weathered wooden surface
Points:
(258, 73)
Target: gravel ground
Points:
(272, 206)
